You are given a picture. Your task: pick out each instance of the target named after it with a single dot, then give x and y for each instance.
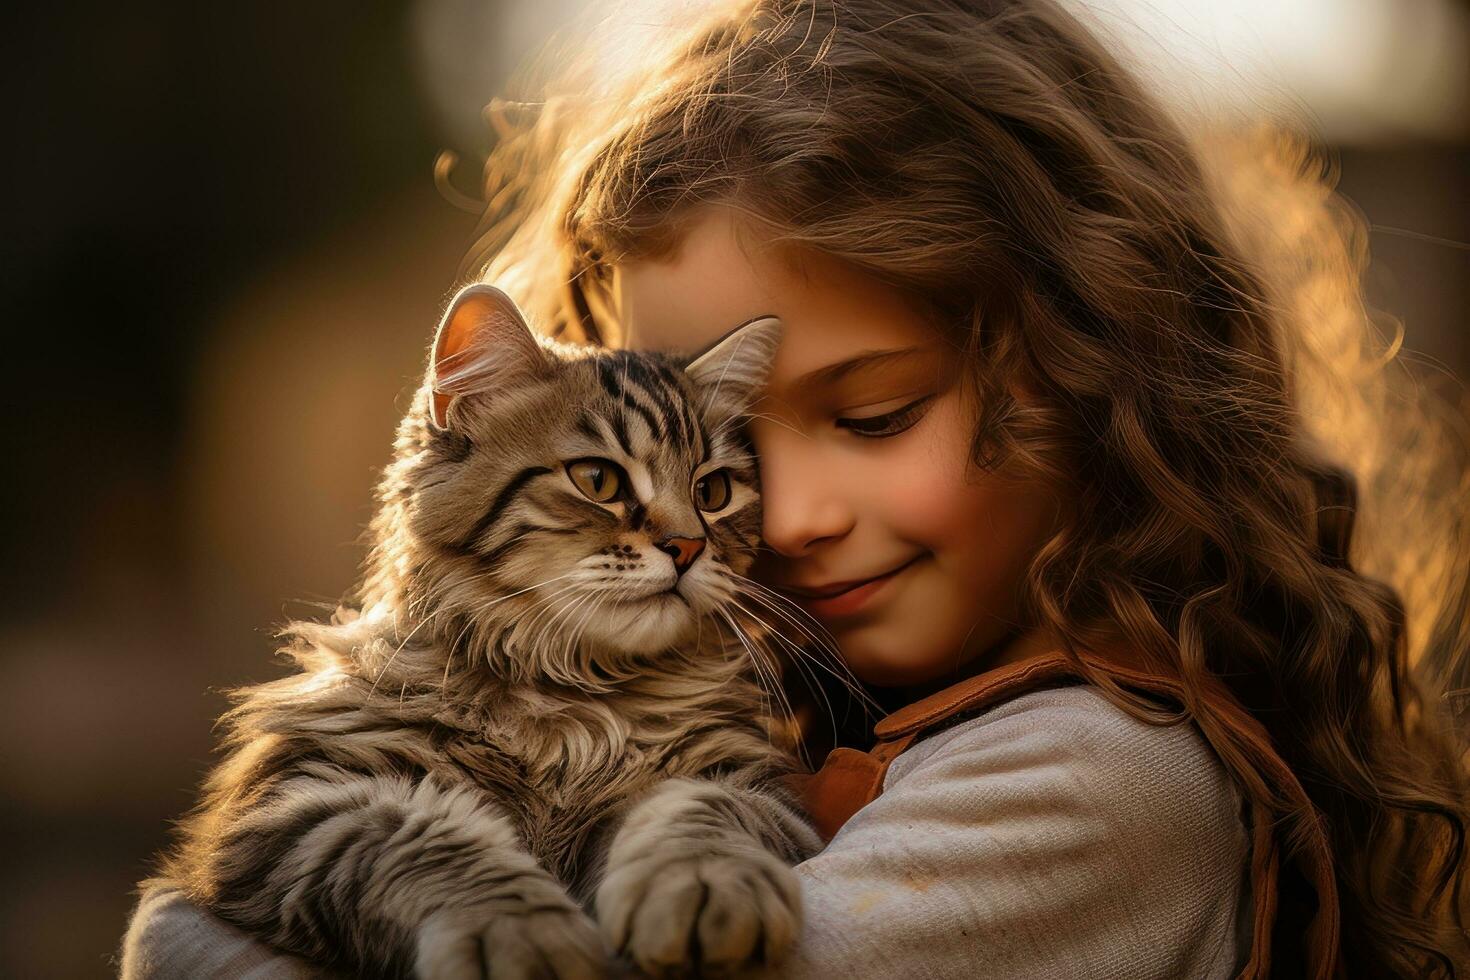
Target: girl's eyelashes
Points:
(887, 424)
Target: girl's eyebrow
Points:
(829, 373)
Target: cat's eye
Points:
(598, 479)
(889, 423)
(712, 491)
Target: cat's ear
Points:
(735, 369)
(483, 344)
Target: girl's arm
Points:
(171, 938)
(1053, 836)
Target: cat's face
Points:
(616, 489)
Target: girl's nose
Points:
(802, 506)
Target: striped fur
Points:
(526, 744)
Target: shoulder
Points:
(1076, 737)
(1146, 799)
(1057, 833)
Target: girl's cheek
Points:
(918, 499)
(931, 492)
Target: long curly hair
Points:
(1214, 397)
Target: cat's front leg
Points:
(388, 876)
(550, 942)
(698, 879)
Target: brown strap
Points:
(976, 693)
(849, 780)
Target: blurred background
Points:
(225, 253)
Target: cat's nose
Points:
(682, 550)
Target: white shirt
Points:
(1054, 835)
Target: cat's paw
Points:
(708, 914)
(545, 944)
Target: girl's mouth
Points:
(845, 598)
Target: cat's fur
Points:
(530, 744)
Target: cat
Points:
(531, 746)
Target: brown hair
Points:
(1213, 394)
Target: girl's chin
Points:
(886, 675)
(883, 657)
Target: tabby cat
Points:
(532, 744)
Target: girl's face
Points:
(878, 524)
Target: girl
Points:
(1040, 416)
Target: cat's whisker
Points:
(776, 691)
(776, 679)
(761, 677)
(454, 646)
(767, 669)
(546, 600)
(810, 626)
(809, 678)
(541, 605)
(499, 599)
(745, 418)
(545, 605)
(820, 640)
(763, 686)
(469, 624)
(832, 663)
(782, 609)
(781, 638)
(600, 600)
(448, 662)
(588, 604)
(733, 422)
(792, 613)
(394, 655)
(589, 607)
(799, 655)
(481, 608)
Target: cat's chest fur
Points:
(562, 767)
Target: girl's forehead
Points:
(714, 281)
(719, 278)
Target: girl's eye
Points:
(712, 491)
(887, 424)
(598, 479)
